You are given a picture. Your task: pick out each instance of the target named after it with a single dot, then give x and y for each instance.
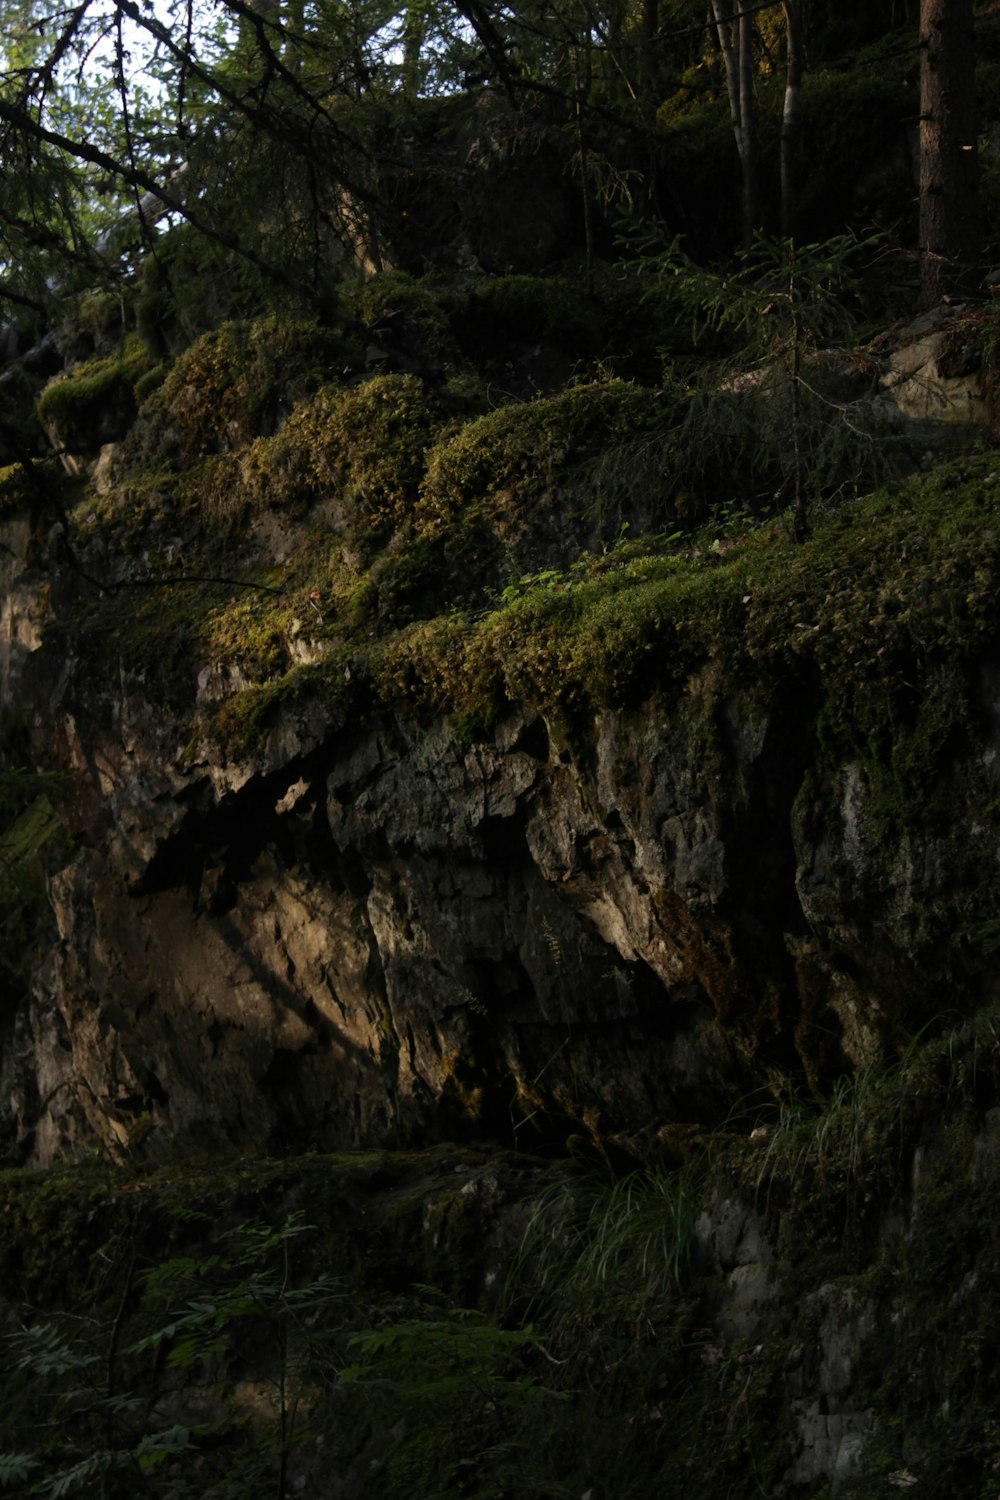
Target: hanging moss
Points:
(18, 487)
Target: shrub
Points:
(497, 311)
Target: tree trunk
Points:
(794, 62)
(414, 37)
(948, 168)
(748, 154)
(735, 33)
(646, 80)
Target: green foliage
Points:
(775, 293)
(610, 1358)
(18, 487)
(191, 285)
(607, 1239)
(18, 429)
(65, 1377)
(15, 1468)
(239, 1302)
(248, 1279)
(450, 1370)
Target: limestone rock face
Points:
(930, 385)
(373, 925)
(20, 592)
(383, 933)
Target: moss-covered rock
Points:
(357, 452)
(536, 482)
(403, 316)
(230, 386)
(95, 402)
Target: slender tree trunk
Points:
(794, 63)
(414, 36)
(948, 167)
(735, 33)
(749, 154)
(800, 517)
(582, 87)
(646, 79)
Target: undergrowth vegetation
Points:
(898, 582)
(244, 1328)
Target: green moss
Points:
(18, 487)
(408, 309)
(539, 478)
(149, 382)
(361, 450)
(94, 402)
(101, 314)
(532, 445)
(885, 588)
(241, 721)
(228, 387)
(148, 631)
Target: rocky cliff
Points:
(433, 772)
(587, 856)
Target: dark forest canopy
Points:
(191, 110)
(299, 138)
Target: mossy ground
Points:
(885, 590)
(473, 528)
